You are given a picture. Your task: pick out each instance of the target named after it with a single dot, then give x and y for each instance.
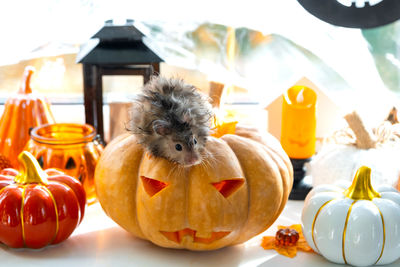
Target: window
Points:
(259, 49)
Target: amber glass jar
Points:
(71, 148)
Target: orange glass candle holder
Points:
(298, 133)
(71, 148)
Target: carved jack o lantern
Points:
(236, 193)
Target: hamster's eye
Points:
(195, 141)
(178, 147)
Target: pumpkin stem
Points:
(223, 128)
(361, 187)
(31, 171)
(392, 117)
(26, 81)
(365, 139)
(215, 93)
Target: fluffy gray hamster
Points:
(171, 119)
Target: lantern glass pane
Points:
(120, 87)
(118, 91)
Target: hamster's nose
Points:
(192, 160)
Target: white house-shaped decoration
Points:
(328, 112)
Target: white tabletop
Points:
(98, 241)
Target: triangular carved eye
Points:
(228, 187)
(70, 164)
(152, 186)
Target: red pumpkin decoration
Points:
(22, 111)
(38, 208)
(286, 237)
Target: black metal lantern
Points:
(114, 50)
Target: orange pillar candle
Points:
(299, 122)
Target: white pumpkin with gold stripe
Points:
(357, 225)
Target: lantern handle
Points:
(26, 80)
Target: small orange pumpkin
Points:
(236, 193)
(22, 111)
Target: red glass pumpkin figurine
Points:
(37, 207)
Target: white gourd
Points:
(341, 159)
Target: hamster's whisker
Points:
(172, 170)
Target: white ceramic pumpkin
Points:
(357, 225)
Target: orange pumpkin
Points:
(236, 193)
(21, 112)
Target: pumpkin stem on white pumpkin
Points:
(31, 171)
(365, 138)
(361, 187)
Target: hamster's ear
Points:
(161, 127)
(187, 116)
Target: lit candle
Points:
(299, 122)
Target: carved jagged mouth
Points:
(178, 235)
